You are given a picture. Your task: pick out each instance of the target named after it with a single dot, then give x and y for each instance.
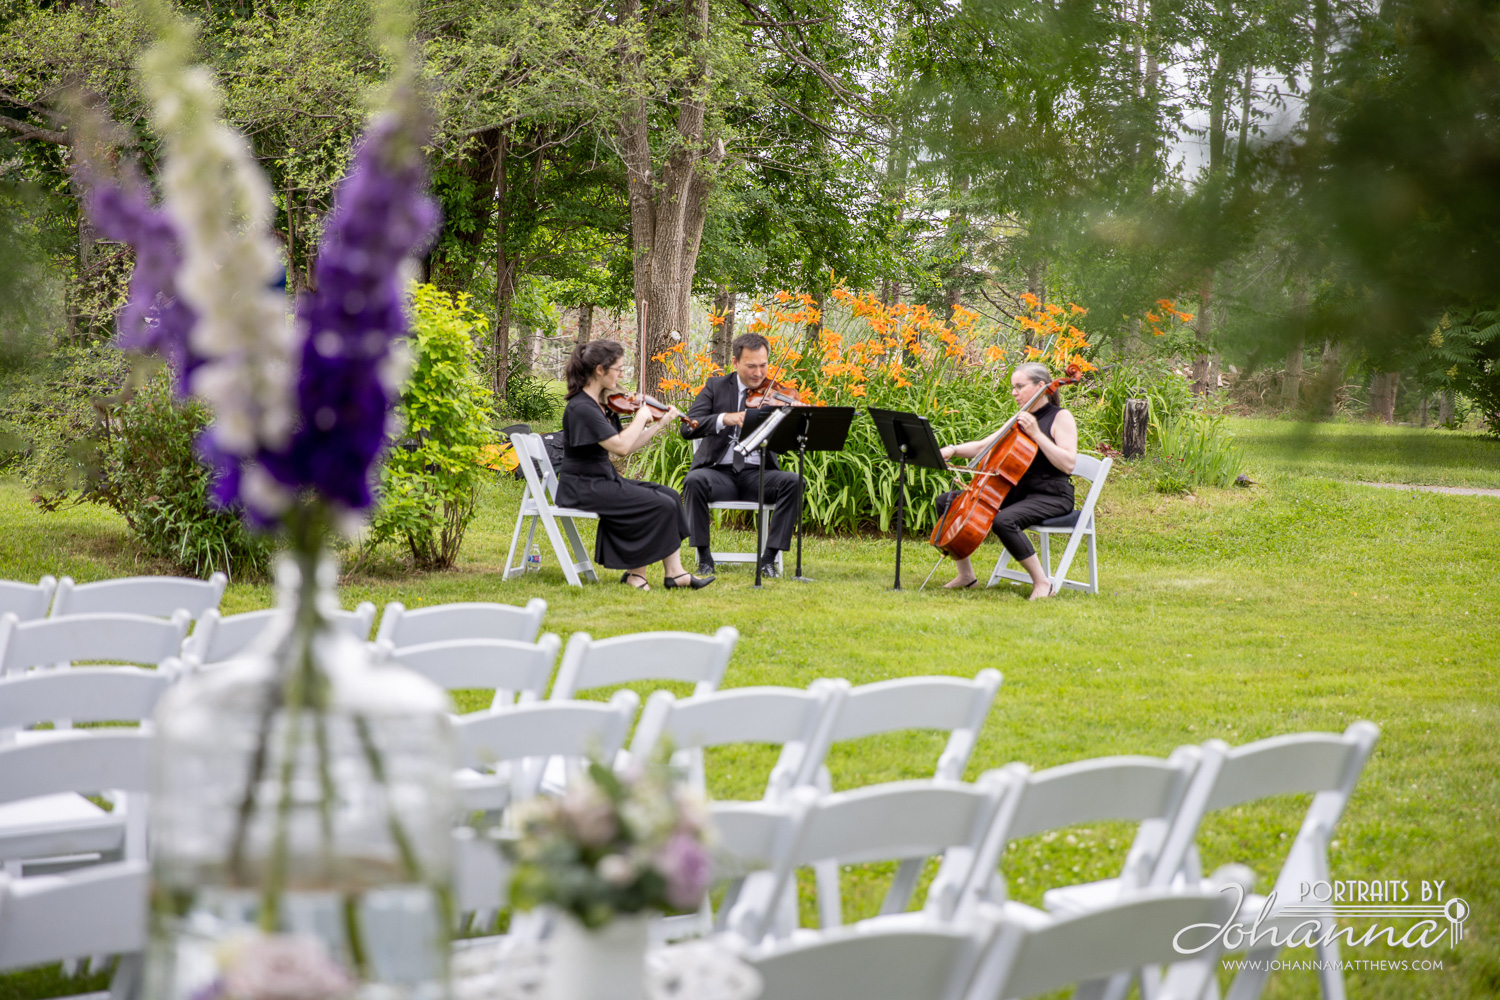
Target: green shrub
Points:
(429, 482)
(1100, 408)
(1197, 450)
(90, 436)
(527, 398)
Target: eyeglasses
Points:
(617, 369)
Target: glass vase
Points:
(301, 816)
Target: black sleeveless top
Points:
(1043, 476)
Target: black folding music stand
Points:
(805, 429)
(908, 440)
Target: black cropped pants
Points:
(1018, 512)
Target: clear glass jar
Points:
(300, 819)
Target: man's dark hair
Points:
(749, 342)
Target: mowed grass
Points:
(1303, 603)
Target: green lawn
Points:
(1305, 602)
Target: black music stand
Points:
(908, 439)
(805, 429)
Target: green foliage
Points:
(88, 434)
(1196, 450)
(1100, 408)
(430, 481)
(152, 476)
(528, 398)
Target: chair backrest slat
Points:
(157, 596)
(93, 911)
(1032, 957)
(897, 820)
(1096, 791)
(570, 729)
(402, 626)
(92, 761)
(644, 656)
(928, 964)
(742, 715)
(117, 638)
(488, 664)
(219, 637)
(87, 694)
(27, 601)
(911, 703)
(1282, 765)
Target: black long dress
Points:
(639, 523)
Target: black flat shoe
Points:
(696, 582)
(643, 585)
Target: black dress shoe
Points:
(769, 571)
(696, 582)
(705, 567)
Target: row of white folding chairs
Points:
(154, 596)
(997, 955)
(218, 637)
(970, 827)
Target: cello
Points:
(968, 519)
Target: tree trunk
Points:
(723, 334)
(504, 273)
(1206, 363)
(667, 213)
(1136, 424)
(1036, 284)
(585, 322)
(1383, 395)
(1291, 378)
(1422, 410)
(1445, 408)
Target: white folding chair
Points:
(27, 600)
(765, 528)
(539, 504)
(402, 626)
(948, 703)
(46, 822)
(797, 720)
(1078, 526)
(217, 637)
(513, 670)
(157, 596)
(932, 962)
(1033, 954)
(1144, 790)
(903, 819)
(492, 746)
(1325, 765)
(117, 638)
(644, 656)
(93, 911)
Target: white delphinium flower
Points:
(221, 203)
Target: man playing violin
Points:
(719, 473)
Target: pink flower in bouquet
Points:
(589, 815)
(286, 967)
(684, 863)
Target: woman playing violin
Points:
(639, 523)
(1043, 492)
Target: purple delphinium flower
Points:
(154, 320)
(381, 216)
(684, 863)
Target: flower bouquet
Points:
(612, 852)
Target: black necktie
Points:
(734, 439)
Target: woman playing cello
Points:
(639, 523)
(1043, 492)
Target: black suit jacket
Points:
(720, 395)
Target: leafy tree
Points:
(430, 481)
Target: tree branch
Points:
(28, 131)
